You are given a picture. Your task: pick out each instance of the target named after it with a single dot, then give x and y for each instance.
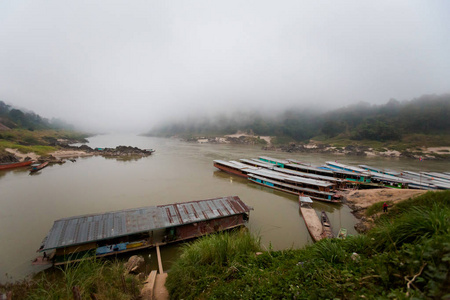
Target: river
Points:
(176, 172)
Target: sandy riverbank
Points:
(362, 199)
(268, 139)
(59, 154)
(21, 155)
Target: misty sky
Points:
(130, 64)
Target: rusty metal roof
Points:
(90, 228)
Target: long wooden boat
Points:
(311, 218)
(280, 185)
(38, 167)
(15, 165)
(234, 167)
(327, 230)
(99, 235)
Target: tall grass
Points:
(418, 224)
(100, 277)
(330, 250)
(211, 258)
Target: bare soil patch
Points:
(360, 200)
(22, 156)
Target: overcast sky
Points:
(129, 64)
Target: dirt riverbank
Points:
(70, 152)
(360, 200)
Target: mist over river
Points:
(176, 172)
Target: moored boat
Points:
(311, 219)
(327, 230)
(15, 165)
(98, 235)
(234, 167)
(38, 167)
(292, 185)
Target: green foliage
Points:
(376, 208)
(422, 121)
(15, 118)
(208, 260)
(100, 277)
(419, 223)
(408, 257)
(377, 130)
(36, 141)
(330, 250)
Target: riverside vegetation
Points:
(94, 279)
(406, 255)
(404, 126)
(40, 142)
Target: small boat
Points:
(36, 168)
(15, 165)
(327, 230)
(342, 233)
(311, 218)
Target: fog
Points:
(110, 65)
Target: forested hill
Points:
(428, 114)
(12, 118)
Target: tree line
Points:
(429, 114)
(15, 118)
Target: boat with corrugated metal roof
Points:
(98, 235)
(234, 167)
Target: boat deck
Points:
(312, 222)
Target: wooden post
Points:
(158, 254)
(76, 293)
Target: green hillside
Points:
(394, 121)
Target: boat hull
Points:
(15, 165)
(297, 193)
(40, 167)
(312, 223)
(230, 170)
(327, 230)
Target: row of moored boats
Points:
(324, 183)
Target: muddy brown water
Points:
(176, 172)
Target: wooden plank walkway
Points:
(158, 255)
(154, 288)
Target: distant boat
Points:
(342, 233)
(38, 167)
(15, 165)
(312, 221)
(327, 230)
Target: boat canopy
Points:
(104, 226)
(305, 199)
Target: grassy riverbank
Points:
(40, 142)
(407, 254)
(102, 278)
